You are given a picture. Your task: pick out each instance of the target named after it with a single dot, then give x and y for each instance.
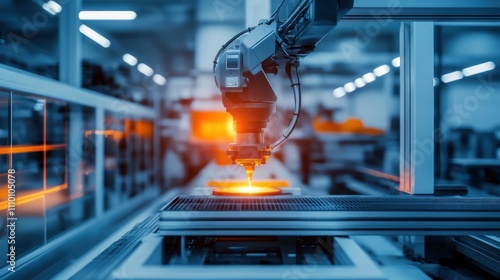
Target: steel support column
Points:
(70, 44)
(417, 108)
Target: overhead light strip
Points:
(159, 79)
(339, 92)
(52, 7)
(107, 15)
(451, 77)
(96, 37)
(396, 62)
(381, 70)
(480, 68)
(129, 59)
(144, 69)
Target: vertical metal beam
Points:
(417, 108)
(157, 152)
(75, 165)
(70, 44)
(99, 162)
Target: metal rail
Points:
(330, 215)
(424, 10)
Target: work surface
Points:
(330, 215)
(332, 203)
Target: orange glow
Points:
(381, 174)
(246, 191)
(255, 183)
(351, 125)
(18, 149)
(139, 127)
(44, 147)
(114, 133)
(144, 128)
(212, 126)
(22, 199)
(220, 156)
(321, 125)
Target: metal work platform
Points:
(329, 215)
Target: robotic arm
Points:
(242, 64)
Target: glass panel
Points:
(466, 88)
(128, 158)
(53, 159)
(29, 36)
(72, 168)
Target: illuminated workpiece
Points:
(242, 64)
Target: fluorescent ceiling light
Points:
(52, 7)
(359, 83)
(480, 68)
(381, 70)
(349, 87)
(396, 62)
(339, 92)
(107, 15)
(144, 69)
(96, 37)
(369, 77)
(129, 59)
(453, 76)
(159, 79)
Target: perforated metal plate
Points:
(332, 203)
(330, 215)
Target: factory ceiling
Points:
(164, 34)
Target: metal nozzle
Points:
(250, 138)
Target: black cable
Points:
(277, 9)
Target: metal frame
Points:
(359, 266)
(417, 56)
(313, 216)
(417, 108)
(426, 10)
(70, 44)
(312, 223)
(24, 82)
(20, 81)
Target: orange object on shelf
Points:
(321, 125)
(353, 125)
(245, 190)
(255, 183)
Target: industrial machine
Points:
(242, 64)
